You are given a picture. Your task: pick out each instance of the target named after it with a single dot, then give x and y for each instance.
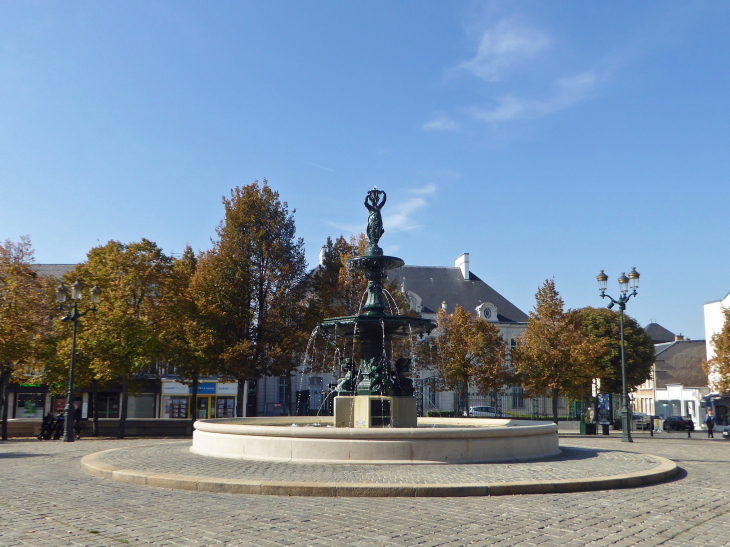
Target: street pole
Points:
(624, 282)
(625, 413)
(76, 293)
(68, 432)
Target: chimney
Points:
(321, 255)
(678, 338)
(463, 264)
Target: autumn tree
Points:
(554, 356)
(246, 282)
(188, 343)
(121, 339)
(470, 352)
(23, 317)
(718, 368)
(604, 324)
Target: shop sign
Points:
(205, 389)
(174, 388)
(228, 389)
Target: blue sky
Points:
(544, 138)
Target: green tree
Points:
(718, 368)
(554, 356)
(121, 339)
(244, 284)
(23, 317)
(470, 352)
(604, 324)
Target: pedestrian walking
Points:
(710, 423)
(77, 422)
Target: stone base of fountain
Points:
(364, 411)
(316, 440)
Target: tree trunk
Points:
(240, 411)
(194, 399)
(556, 392)
(95, 403)
(4, 394)
(289, 398)
(123, 407)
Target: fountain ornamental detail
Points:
(377, 393)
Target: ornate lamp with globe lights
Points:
(627, 288)
(74, 316)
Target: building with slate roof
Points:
(658, 334)
(429, 288)
(679, 385)
(53, 270)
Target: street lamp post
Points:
(624, 283)
(76, 293)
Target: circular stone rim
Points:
(443, 428)
(90, 464)
(471, 440)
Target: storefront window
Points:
(176, 407)
(226, 407)
(29, 405)
(142, 406)
(108, 405)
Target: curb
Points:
(90, 464)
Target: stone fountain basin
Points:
(435, 440)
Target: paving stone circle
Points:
(575, 463)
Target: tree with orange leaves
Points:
(470, 351)
(554, 356)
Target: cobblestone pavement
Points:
(47, 501)
(575, 463)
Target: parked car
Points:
(486, 412)
(679, 423)
(726, 432)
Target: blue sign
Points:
(205, 389)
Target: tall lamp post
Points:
(624, 283)
(76, 294)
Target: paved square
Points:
(48, 501)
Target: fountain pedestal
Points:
(365, 411)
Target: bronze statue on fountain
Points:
(374, 327)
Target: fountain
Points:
(375, 412)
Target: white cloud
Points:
(566, 93)
(428, 189)
(502, 47)
(399, 217)
(441, 123)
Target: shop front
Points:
(215, 400)
(29, 401)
